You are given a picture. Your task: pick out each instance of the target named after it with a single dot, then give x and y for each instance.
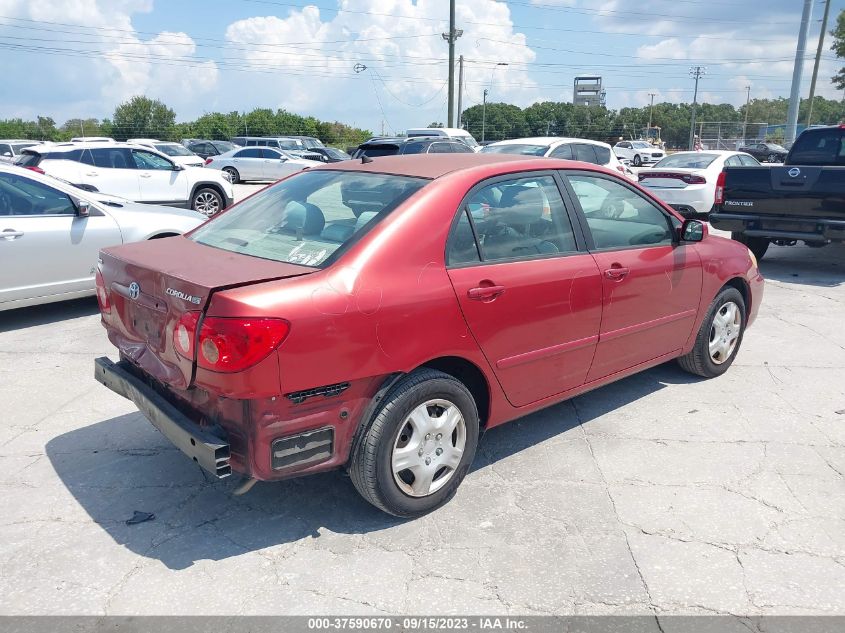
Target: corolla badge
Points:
(181, 295)
(794, 172)
(134, 290)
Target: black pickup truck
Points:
(802, 201)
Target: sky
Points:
(383, 64)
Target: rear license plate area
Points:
(147, 324)
(794, 227)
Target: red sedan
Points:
(378, 316)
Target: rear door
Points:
(651, 283)
(530, 293)
(249, 163)
(275, 165)
(111, 170)
(54, 251)
(160, 181)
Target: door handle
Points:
(93, 173)
(617, 272)
(145, 175)
(485, 293)
(10, 234)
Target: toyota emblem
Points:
(134, 290)
(794, 172)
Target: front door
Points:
(530, 295)
(160, 180)
(651, 283)
(49, 250)
(249, 163)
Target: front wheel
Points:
(719, 338)
(207, 201)
(410, 458)
(772, 158)
(637, 161)
(757, 245)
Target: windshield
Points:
(17, 147)
(173, 149)
(692, 160)
(776, 147)
(308, 218)
(641, 144)
(336, 153)
(516, 148)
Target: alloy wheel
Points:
(724, 332)
(207, 203)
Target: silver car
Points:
(258, 163)
(51, 233)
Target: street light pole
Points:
(698, 72)
(460, 89)
(450, 37)
(484, 114)
(797, 72)
(747, 106)
(816, 64)
(650, 109)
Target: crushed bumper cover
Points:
(203, 447)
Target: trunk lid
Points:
(670, 178)
(152, 284)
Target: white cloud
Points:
(115, 63)
(406, 59)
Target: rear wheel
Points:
(413, 454)
(757, 245)
(207, 201)
(234, 176)
(719, 337)
(637, 161)
(772, 158)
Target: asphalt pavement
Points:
(660, 494)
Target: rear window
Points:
(819, 147)
(173, 149)
(374, 151)
(516, 148)
(695, 160)
(28, 159)
(309, 218)
(224, 146)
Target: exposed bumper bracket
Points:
(206, 449)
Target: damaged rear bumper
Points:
(206, 449)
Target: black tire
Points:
(370, 464)
(699, 360)
(637, 161)
(757, 245)
(234, 176)
(207, 201)
(772, 158)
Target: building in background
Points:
(588, 91)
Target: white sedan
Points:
(51, 234)
(686, 181)
(258, 163)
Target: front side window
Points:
(512, 219)
(23, 196)
(619, 217)
(5, 149)
(148, 160)
(308, 219)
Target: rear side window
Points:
(602, 154)
(584, 153)
(748, 161)
(512, 219)
(248, 153)
(563, 151)
(113, 158)
(308, 219)
(374, 151)
(819, 147)
(419, 148)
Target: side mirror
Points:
(9, 154)
(83, 208)
(693, 231)
(178, 167)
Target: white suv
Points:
(133, 172)
(177, 152)
(638, 152)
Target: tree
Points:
(838, 47)
(141, 117)
(436, 124)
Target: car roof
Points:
(437, 165)
(547, 140)
(718, 152)
(70, 146)
(400, 140)
(18, 140)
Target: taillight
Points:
(185, 333)
(694, 180)
(208, 160)
(228, 344)
(37, 170)
(102, 293)
(720, 188)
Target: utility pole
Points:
(797, 72)
(816, 64)
(484, 114)
(747, 105)
(698, 72)
(450, 37)
(460, 90)
(650, 109)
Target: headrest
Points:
(519, 205)
(304, 216)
